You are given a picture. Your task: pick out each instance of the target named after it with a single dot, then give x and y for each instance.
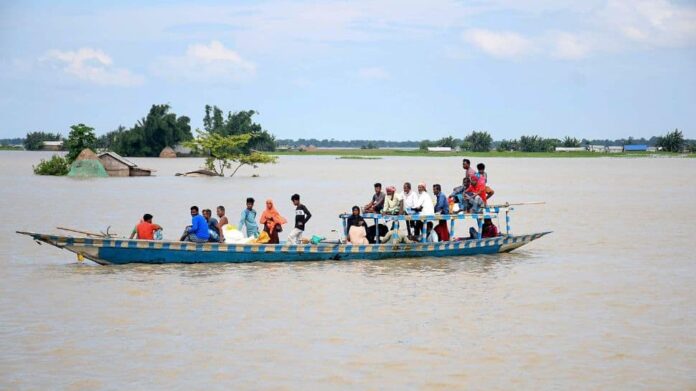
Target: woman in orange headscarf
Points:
(272, 222)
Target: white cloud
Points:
(657, 23)
(570, 47)
(206, 63)
(92, 65)
(499, 44)
(373, 73)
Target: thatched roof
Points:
(87, 167)
(167, 152)
(87, 154)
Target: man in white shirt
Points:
(424, 202)
(409, 198)
(424, 206)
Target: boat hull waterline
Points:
(124, 251)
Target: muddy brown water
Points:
(605, 302)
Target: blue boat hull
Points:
(124, 251)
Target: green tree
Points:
(56, 165)
(157, 130)
(110, 139)
(81, 136)
(570, 142)
(228, 151)
(240, 122)
(672, 141)
(537, 144)
(448, 141)
(34, 140)
(508, 145)
(424, 145)
(478, 142)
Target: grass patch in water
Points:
(360, 157)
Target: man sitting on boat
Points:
(471, 195)
(430, 234)
(197, 232)
(393, 203)
(146, 230)
(488, 230)
(222, 221)
(377, 203)
(477, 188)
(213, 230)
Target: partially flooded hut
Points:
(117, 165)
(87, 165)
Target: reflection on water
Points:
(605, 302)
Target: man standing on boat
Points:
(441, 207)
(468, 170)
(424, 206)
(409, 198)
(198, 230)
(302, 216)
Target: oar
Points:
(508, 204)
(526, 203)
(82, 232)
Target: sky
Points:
(391, 70)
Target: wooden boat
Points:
(114, 251)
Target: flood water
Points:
(605, 302)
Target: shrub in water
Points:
(56, 165)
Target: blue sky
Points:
(392, 70)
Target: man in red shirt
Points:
(478, 187)
(145, 230)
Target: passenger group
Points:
(470, 197)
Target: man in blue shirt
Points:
(441, 207)
(198, 230)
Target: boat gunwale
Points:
(61, 241)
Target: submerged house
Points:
(52, 145)
(117, 165)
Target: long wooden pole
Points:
(81, 232)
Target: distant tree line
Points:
(162, 128)
(333, 143)
(481, 141)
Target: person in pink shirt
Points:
(468, 170)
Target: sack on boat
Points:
(263, 238)
(316, 239)
(232, 234)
